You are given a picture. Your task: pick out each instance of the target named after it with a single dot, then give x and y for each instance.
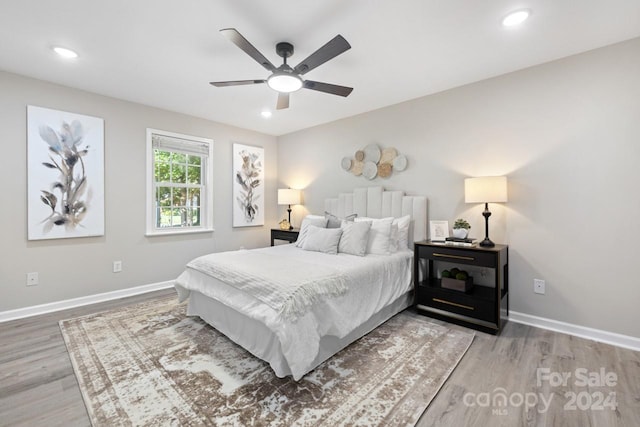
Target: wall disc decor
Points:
(356, 168)
(388, 154)
(372, 153)
(400, 163)
(346, 163)
(384, 170)
(370, 170)
(372, 162)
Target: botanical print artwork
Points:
(248, 185)
(65, 173)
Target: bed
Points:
(360, 292)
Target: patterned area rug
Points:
(149, 364)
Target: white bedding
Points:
(290, 288)
(372, 281)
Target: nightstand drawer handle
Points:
(452, 303)
(468, 258)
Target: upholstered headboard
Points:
(374, 202)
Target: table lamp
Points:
(486, 189)
(289, 196)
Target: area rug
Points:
(150, 365)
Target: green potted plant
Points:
(461, 228)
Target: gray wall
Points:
(71, 268)
(567, 135)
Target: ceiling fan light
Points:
(284, 82)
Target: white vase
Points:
(460, 233)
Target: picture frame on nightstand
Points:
(438, 230)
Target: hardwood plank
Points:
(38, 386)
(511, 362)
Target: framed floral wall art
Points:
(65, 173)
(248, 185)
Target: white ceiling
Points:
(163, 53)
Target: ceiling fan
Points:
(285, 79)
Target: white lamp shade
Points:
(485, 189)
(288, 196)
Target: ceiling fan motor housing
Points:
(284, 50)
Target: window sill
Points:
(178, 232)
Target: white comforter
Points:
(290, 288)
(372, 282)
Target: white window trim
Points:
(206, 220)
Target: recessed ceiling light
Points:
(64, 52)
(266, 114)
(516, 18)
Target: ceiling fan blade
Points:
(328, 88)
(333, 48)
(236, 38)
(237, 83)
(283, 101)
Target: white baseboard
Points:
(612, 338)
(36, 310)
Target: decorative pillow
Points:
(355, 236)
(403, 231)
(335, 221)
(379, 235)
(393, 238)
(322, 239)
(315, 220)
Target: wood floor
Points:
(38, 386)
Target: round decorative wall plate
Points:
(384, 170)
(346, 163)
(356, 168)
(388, 154)
(359, 155)
(372, 153)
(370, 170)
(400, 163)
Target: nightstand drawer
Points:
(459, 255)
(466, 304)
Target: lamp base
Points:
(487, 243)
(290, 226)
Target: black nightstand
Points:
(483, 307)
(288, 235)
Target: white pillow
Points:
(403, 231)
(355, 236)
(322, 239)
(393, 238)
(316, 220)
(379, 235)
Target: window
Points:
(179, 183)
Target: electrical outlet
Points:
(32, 279)
(538, 286)
(117, 266)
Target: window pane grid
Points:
(177, 188)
